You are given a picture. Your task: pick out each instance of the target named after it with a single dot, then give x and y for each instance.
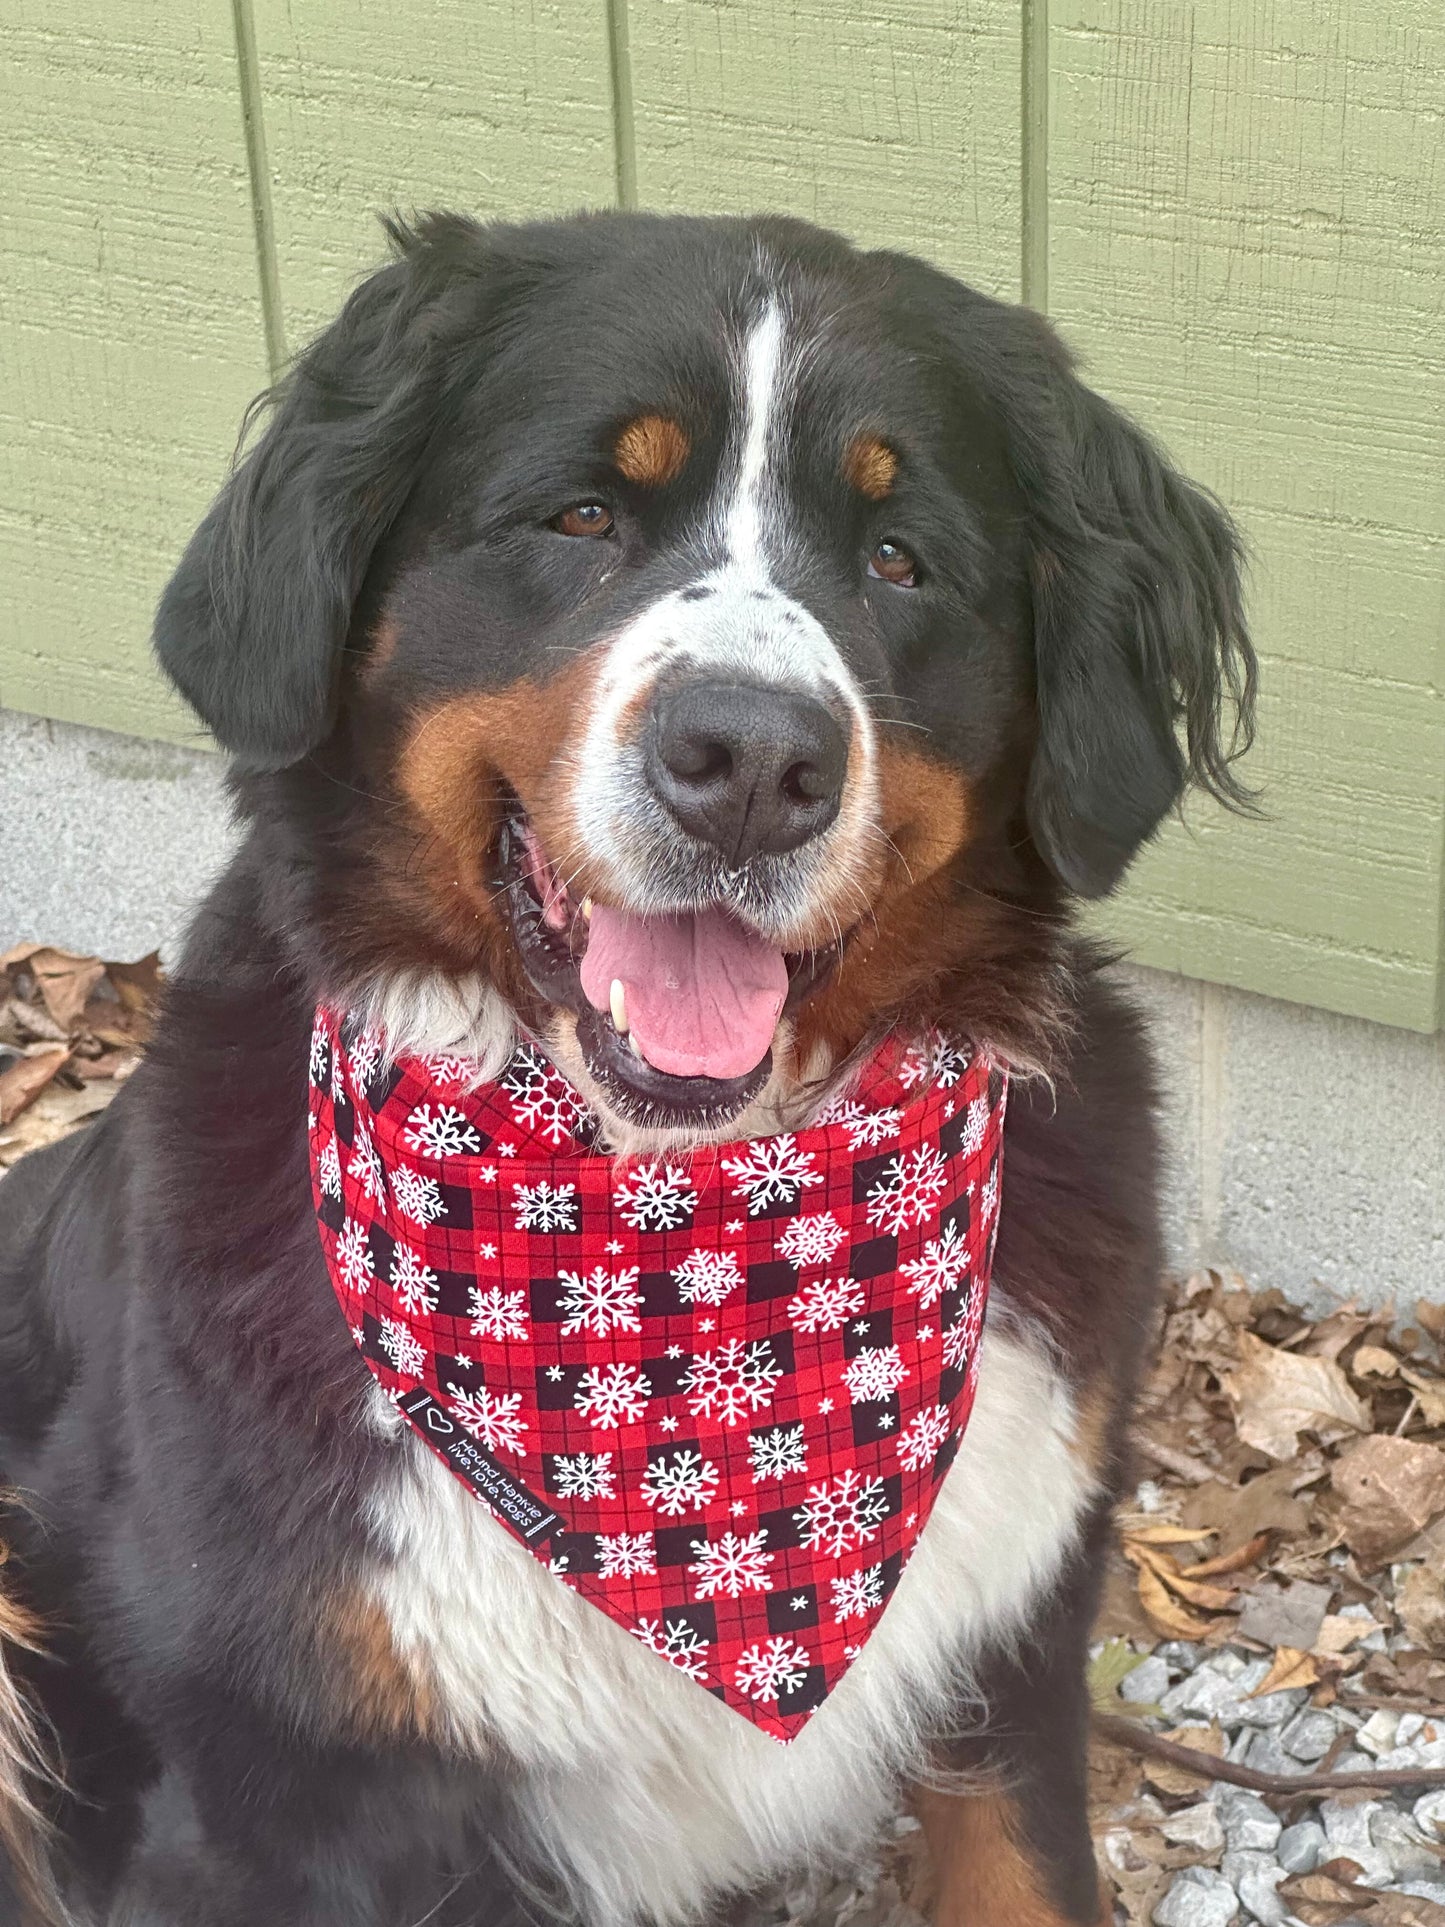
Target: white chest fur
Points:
(644, 1792)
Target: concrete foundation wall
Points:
(1309, 1149)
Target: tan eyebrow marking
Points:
(652, 450)
(871, 466)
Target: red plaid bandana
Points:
(714, 1391)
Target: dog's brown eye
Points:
(893, 563)
(586, 518)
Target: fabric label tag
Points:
(522, 1510)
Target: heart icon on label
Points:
(437, 1421)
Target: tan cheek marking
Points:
(373, 1689)
(871, 467)
(983, 1874)
(652, 450)
(925, 809)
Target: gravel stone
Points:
(1347, 1829)
(1285, 1615)
(1377, 1735)
(1199, 1897)
(1180, 1655)
(1402, 1845)
(1310, 1735)
(1425, 1890)
(1197, 1826)
(1148, 1682)
(1268, 1756)
(1254, 1877)
(1429, 1815)
(1301, 1847)
(1249, 1825)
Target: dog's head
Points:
(704, 634)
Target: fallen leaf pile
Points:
(71, 1031)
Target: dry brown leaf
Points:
(1332, 1334)
(1164, 1612)
(1240, 1513)
(1373, 1361)
(1389, 1489)
(1322, 1900)
(1226, 1562)
(24, 1080)
(65, 982)
(1290, 1668)
(1406, 1910)
(1429, 1391)
(1277, 1395)
(1164, 1534)
(1430, 1316)
(1168, 1778)
(1214, 1598)
(1420, 1602)
(1338, 1634)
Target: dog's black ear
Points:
(1146, 677)
(252, 624)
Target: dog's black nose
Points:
(753, 771)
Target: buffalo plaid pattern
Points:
(714, 1391)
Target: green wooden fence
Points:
(1233, 207)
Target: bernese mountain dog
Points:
(787, 629)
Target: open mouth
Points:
(676, 1014)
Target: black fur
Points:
(179, 1402)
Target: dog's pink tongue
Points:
(703, 993)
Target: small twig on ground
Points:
(1192, 1471)
(1139, 1739)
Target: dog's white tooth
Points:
(618, 1001)
(636, 1052)
(587, 909)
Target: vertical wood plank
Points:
(130, 332)
(896, 121)
(498, 108)
(1247, 239)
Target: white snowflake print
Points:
(417, 1195)
(960, 1341)
(493, 1417)
(865, 1127)
(445, 1135)
(608, 1395)
(944, 1261)
(934, 1060)
(328, 1169)
(920, 1439)
(600, 1301)
(988, 1200)
(546, 1207)
(450, 1067)
(732, 1381)
(498, 1314)
(774, 1171)
(353, 1255)
(875, 1373)
(365, 1163)
(857, 1594)
(778, 1453)
(826, 1304)
(403, 1348)
(708, 1277)
(621, 1554)
(908, 1189)
(975, 1127)
(842, 1513)
(735, 1563)
(542, 1099)
(683, 1482)
(770, 1668)
(413, 1282)
(583, 1475)
(675, 1641)
(320, 1043)
(811, 1240)
(655, 1197)
(366, 1056)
